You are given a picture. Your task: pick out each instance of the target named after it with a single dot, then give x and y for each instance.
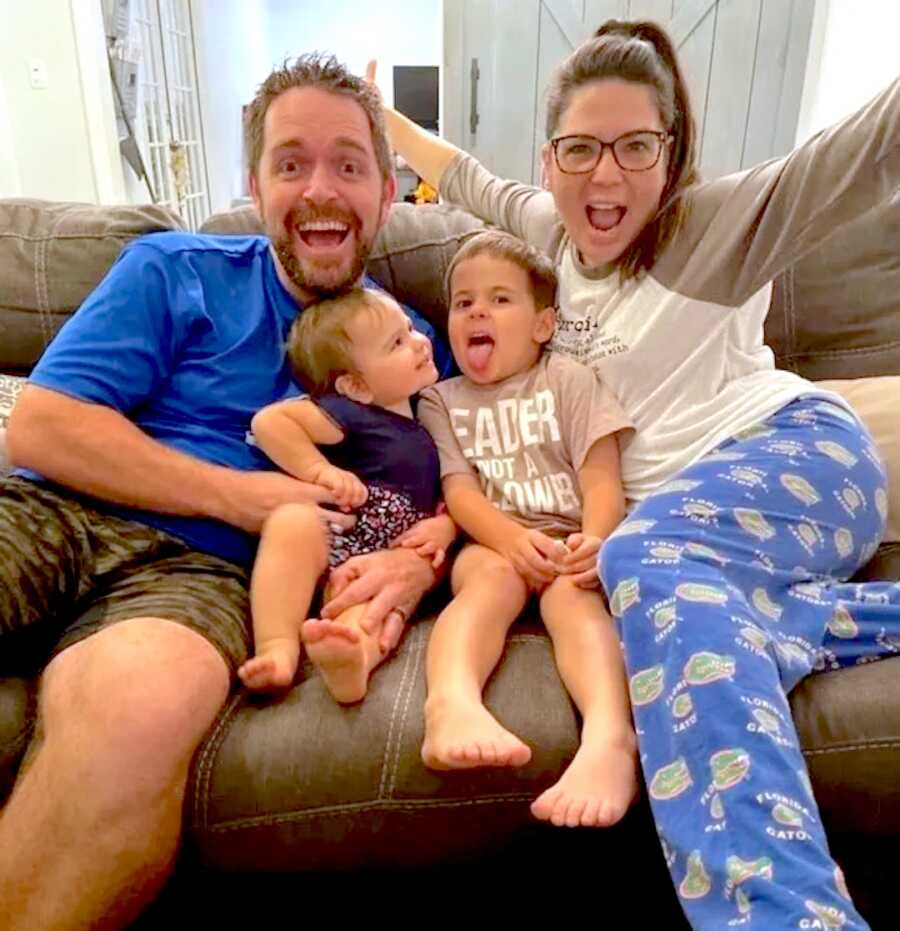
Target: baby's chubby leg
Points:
(293, 554)
(465, 645)
(602, 780)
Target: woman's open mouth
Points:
(605, 217)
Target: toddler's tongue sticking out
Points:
(478, 351)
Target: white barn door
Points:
(744, 61)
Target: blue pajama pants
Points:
(727, 586)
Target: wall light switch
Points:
(37, 73)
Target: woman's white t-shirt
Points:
(682, 347)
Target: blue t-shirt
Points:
(186, 337)
(381, 446)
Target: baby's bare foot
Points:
(462, 735)
(270, 671)
(595, 790)
(339, 654)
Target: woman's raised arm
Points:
(428, 155)
(523, 210)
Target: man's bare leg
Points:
(293, 554)
(90, 833)
(602, 781)
(465, 646)
(343, 652)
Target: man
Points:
(140, 500)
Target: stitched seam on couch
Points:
(392, 724)
(431, 243)
(207, 757)
(338, 811)
(46, 237)
(837, 353)
(41, 290)
(852, 747)
(790, 312)
(407, 683)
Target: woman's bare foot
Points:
(341, 656)
(462, 735)
(596, 789)
(271, 670)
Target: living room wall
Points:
(233, 56)
(238, 41)
(853, 55)
(56, 141)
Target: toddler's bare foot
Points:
(338, 652)
(597, 788)
(270, 671)
(462, 735)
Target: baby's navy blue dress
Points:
(395, 457)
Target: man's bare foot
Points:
(270, 671)
(596, 789)
(463, 735)
(339, 653)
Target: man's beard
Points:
(325, 279)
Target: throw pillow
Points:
(10, 387)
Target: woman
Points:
(754, 493)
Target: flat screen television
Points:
(416, 93)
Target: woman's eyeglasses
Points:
(635, 151)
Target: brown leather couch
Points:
(304, 788)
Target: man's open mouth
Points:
(323, 234)
(605, 217)
(479, 347)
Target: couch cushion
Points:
(51, 256)
(240, 221)
(302, 784)
(415, 275)
(836, 312)
(849, 722)
(16, 723)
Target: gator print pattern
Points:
(728, 589)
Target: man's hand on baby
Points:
(580, 559)
(430, 538)
(391, 581)
(348, 491)
(246, 499)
